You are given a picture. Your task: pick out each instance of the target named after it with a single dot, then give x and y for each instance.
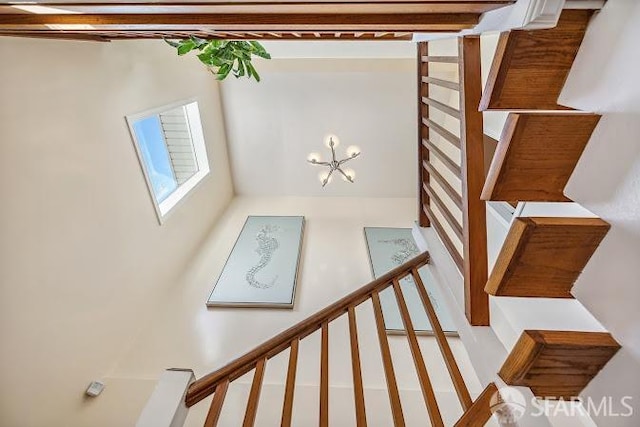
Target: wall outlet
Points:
(95, 388)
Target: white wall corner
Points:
(166, 407)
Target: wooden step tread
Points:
(557, 363)
(543, 256)
(530, 66)
(536, 155)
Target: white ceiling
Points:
(273, 125)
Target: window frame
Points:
(194, 124)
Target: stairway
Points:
(475, 413)
(542, 257)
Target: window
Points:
(170, 146)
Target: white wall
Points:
(334, 263)
(83, 260)
(607, 182)
(274, 125)
(280, 49)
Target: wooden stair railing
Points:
(458, 216)
(217, 383)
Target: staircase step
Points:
(530, 66)
(557, 363)
(536, 156)
(543, 256)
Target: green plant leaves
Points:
(224, 57)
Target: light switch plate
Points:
(95, 388)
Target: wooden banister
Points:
(358, 389)
(389, 373)
(287, 406)
(443, 344)
(480, 412)
(425, 383)
(475, 413)
(216, 404)
(471, 233)
(324, 376)
(206, 385)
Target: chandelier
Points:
(335, 165)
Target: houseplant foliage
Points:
(224, 57)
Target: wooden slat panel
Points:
(324, 376)
(446, 160)
(536, 155)
(453, 222)
(274, 22)
(358, 389)
(443, 344)
(423, 376)
(453, 194)
(442, 83)
(216, 405)
(423, 111)
(204, 386)
(557, 363)
(446, 240)
(441, 131)
(442, 107)
(200, 32)
(445, 59)
(287, 406)
(254, 395)
(541, 56)
(543, 257)
(480, 411)
(392, 385)
(474, 211)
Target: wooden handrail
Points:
(206, 385)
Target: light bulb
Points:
(313, 157)
(329, 138)
(324, 178)
(353, 150)
(350, 175)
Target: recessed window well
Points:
(170, 146)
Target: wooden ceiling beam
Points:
(266, 6)
(392, 22)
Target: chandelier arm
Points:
(347, 159)
(326, 181)
(345, 175)
(319, 163)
